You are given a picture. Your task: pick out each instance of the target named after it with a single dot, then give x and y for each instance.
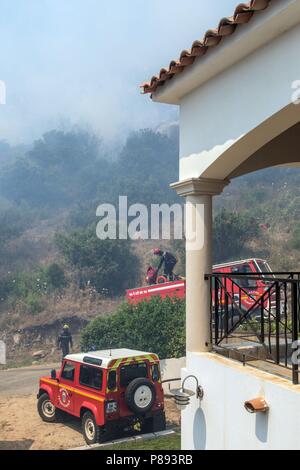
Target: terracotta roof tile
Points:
(227, 26)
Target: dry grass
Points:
(22, 428)
(73, 302)
(26, 334)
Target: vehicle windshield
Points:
(263, 266)
(244, 282)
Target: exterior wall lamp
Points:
(183, 396)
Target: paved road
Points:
(24, 381)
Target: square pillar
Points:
(198, 194)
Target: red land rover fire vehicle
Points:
(250, 290)
(112, 392)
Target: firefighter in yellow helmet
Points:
(65, 340)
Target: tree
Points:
(55, 276)
(232, 231)
(26, 181)
(67, 150)
(14, 221)
(106, 265)
(60, 169)
(157, 326)
(295, 238)
(148, 164)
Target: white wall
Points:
(171, 369)
(232, 104)
(222, 423)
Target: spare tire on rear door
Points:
(140, 396)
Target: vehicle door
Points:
(90, 387)
(65, 398)
(245, 291)
(128, 373)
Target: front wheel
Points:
(46, 409)
(90, 429)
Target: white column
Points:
(199, 194)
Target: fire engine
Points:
(113, 392)
(250, 290)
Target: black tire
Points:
(148, 426)
(159, 422)
(140, 396)
(90, 429)
(155, 423)
(46, 409)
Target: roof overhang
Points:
(268, 25)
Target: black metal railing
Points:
(257, 315)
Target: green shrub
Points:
(26, 291)
(104, 264)
(32, 304)
(6, 287)
(157, 326)
(295, 239)
(55, 276)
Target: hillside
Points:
(53, 268)
(272, 198)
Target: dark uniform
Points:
(65, 341)
(169, 261)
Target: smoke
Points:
(80, 62)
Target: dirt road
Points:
(20, 425)
(23, 381)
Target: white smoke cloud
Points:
(69, 62)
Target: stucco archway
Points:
(276, 141)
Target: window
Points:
(68, 372)
(244, 282)
(155, 373)
(112, 380)
(264, 267)
(91, 377)
(131, 372)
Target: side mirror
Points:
(53, 375)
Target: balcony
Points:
(255, 319)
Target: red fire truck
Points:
(248, 289)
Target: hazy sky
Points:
(69, 62)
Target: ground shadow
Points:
(25, 444)
(70, 421)
(262, 427)
(75, 424)
(200, 431)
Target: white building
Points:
(237, 91)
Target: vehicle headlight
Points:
(111, 407)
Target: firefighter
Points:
(64, 341)
(168, 260)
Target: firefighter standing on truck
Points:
(64, 341)
(168, 260)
